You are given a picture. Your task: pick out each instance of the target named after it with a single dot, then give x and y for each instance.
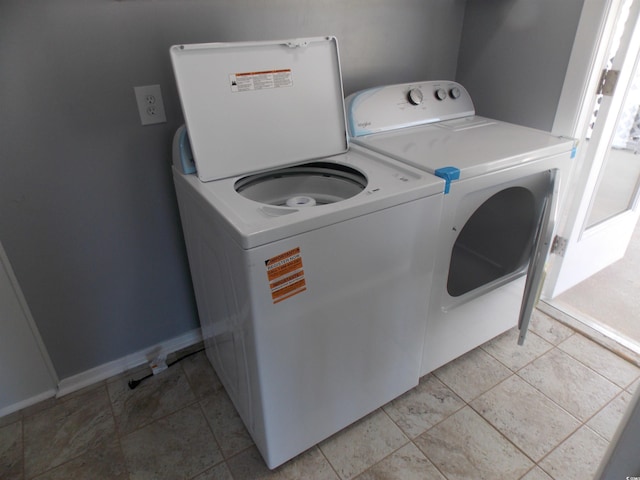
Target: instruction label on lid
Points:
(250, 81)
(286, 275)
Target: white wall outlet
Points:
(150, 105)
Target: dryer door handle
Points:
(539, 253)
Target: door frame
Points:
(577, 102)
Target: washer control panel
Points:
(404, 105)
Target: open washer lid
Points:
(254, 106)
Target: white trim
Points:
(583, 71)
(115, 367)
(591, 48)
(27, 402)
(4, 259)
(590, 322)
(592, 329)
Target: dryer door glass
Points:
(495, 242)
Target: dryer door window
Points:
(495, 242)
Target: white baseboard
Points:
(115, 367)
(27, 402)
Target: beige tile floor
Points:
(543, 411)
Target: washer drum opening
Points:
(303, 186)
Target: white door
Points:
(601, 209)
(26, 373)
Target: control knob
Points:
(441, 94)
(415, 96)
(454, 93)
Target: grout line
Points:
(591, 368)
(328, 461)
(117, 431)
(431, 461)
(544, 394)
(213, 434)
(24, 450)
(551, 347)
(502, 435)
(496, 428)
(50, 468)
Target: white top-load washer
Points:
(504, 182)
(303, 252)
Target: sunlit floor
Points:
(610, 300)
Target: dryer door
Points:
(498, 234)
(538, 259)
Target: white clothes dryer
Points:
(504, 182)
(303, 252)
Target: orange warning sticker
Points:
(286, 275)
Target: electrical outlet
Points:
(150, 105)
(158, 364)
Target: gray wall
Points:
(514, 55)
(88, 215)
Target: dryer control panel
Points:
(404, 105)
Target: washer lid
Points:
(253, 106)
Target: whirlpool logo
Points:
(364, 124)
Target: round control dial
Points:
(441, 94)
(454, 92)
(415, 96)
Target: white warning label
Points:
(250, 81)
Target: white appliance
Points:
(304, 254)
(503, 186)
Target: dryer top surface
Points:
(474, 145)
(432, 125)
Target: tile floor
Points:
(543, 411)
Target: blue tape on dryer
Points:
(182, 154)
(449, 174)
